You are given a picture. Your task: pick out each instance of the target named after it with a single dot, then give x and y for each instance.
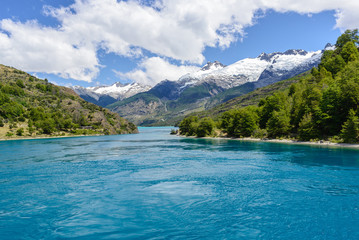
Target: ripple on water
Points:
(156, 186)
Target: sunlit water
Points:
(156, 186)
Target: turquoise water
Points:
(156, 186)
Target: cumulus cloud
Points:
(176, 29)
(34, 48)
(155, 69)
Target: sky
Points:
(92, 42)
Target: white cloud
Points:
(39, 49)
(153, 70)
(177, 29)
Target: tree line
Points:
(322, 105)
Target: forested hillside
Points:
(32, 107)
(321, 105)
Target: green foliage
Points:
(350, 131)
(205, 127)
(47, 126)
(188, 126)
(41, 87)
(11, 110)
(4, 98)
(192, 126)
(260, 133)
(349, 52)
(322, 105)
(20, 83)
(9, 134)
(307, 129)
(20, 132)
(278, 124)
(269, 105)
(347, 36)
(12, 90)
(334, 64)
(43, 106)
(240, 122)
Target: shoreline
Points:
(47, 137)
(285, 141)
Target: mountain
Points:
(265, 69)
(251, 98)
(31, 107)
(213, 84)
(105, 95)
(322, 104)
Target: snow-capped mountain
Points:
(264, 69)
(104, 95)
(213, 84)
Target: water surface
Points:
(156, 186)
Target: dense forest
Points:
(321, 105)
(33, 107)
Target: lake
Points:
(154, 185)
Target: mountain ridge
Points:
(31, 107)
(213, 84)
(105, 95)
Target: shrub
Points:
(20, 83)
(260, 133)
(9, 134)
(20, 132)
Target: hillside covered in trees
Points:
(31, 107)
(321, 105)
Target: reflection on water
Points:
(156, 186)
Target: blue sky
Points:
(88, 42)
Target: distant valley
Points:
(169, 101)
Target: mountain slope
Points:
(214, 84)
(105, 95)
(251, 98)
(33, 107)
(320, 106)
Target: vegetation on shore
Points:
(321, 105)
(31, 107)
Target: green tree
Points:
(332, 109)
(349, 52)
(47, 126)
(226, 120)
(334, 64)
(37, 114)
(350, 131)
(276, 102)
(11, 110)
(186, 126)
(205, 127)
(279, 124)
(348, 82)
(307, 129)
(347, 36)
(243, 123)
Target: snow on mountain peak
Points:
(213, 66)
(251, 69)
(116, 90)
